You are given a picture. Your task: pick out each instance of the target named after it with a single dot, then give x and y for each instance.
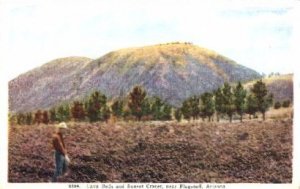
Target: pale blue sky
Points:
(257, 34)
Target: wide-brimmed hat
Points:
(62, 125)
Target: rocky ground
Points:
(251, 152)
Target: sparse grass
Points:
(280, 113)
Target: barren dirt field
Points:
(251, 152)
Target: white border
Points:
(296, 131)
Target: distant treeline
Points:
(225, 102)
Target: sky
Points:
(256, 34)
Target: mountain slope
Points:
(46, 85)
(172, 72)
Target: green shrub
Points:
(286, 103)
(277, 105)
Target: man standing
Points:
(61, 158)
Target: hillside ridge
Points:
(173, 72)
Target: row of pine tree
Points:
(224, 102)
(227, 101)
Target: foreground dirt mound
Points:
(253, 151)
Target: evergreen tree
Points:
(147, 107)
(60, 113)
(240, 99)
(21, 119)
(228, 101)
(95, 104)
(166, 112)
(45, 118)
(186, 110)
(251, 105)
(53, 115)
(38, 117)
(86, 106)
(105, 113)
(178, 114)
(157, 108)
(136, 100)
(117, 108)
(77, 110)
(194, 103)
(263, 99)
(12, 118)
(92, 112)
(28, 118)
(67, 112)
(207, 105)
(190, 108)
(63, 113)
(219, 102)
